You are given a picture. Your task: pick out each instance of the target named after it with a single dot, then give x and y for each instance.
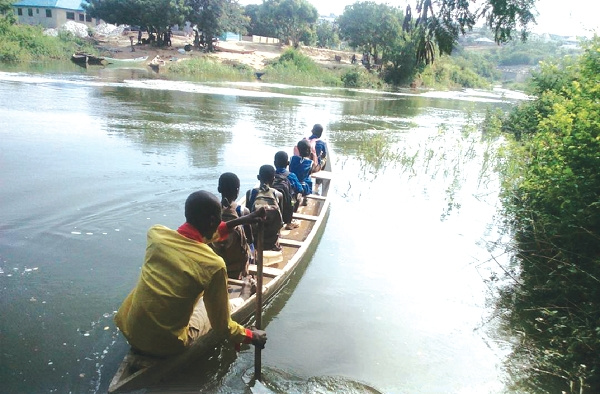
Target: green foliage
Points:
(552, 197)
(327, 35)
(207, 69)
(359, 77)
(292, 67)
(400, 60)
(287, 20)
(25, 43)
(370, 27)
(482, 65)
(149, 13)
(447, 73)
(215, 17)
(439, 22)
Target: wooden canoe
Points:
(137, 372)
(85, 59)
(127, 62)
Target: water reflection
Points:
(89, 164)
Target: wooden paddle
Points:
(259, 286)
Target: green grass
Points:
(24, 43)
(208, 69)
(295, 68)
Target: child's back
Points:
(289, 186)
(271, 199)
(235, 250)
(302, 166)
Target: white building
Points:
(52, 13)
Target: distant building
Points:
(230, 36)
(484, 41)
(52, 13)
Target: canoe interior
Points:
(137, 372)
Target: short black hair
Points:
(266, 174)
(199, 207)
(317, 130)
(229, 184)
(303, 148)
(281, 159)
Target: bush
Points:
(24, 43)
(207, 69)
(293, 67)
(359, 77)
(551, 191)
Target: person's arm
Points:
(251, 218)
(216, 302)
(295, 183)
(321, 149)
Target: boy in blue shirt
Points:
(302, 166)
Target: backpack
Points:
(235, 249)
(264, 197)
(282, 183)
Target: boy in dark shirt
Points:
(266, 196)
(291, 188)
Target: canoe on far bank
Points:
(138, 372)
(126, 62)
(85, 59)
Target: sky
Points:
(564, 17)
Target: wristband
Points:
(249, 336)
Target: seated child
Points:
(266, 196)
(302, 166)
(289, 185)
(236, 250)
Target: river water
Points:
(394, 299)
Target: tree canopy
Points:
(370, 26)
(440, 22)
(148, 13)
(287, 20)
(215, 17)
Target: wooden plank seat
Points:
(321, 174)
(269, 272)
(290, 242)
(316, 197)
(302, 216)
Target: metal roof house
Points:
(52, 13)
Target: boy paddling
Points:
(157, 317)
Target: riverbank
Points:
(254, 55)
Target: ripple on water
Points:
(277, 381)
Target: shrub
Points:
(207, 69)
(551, 189)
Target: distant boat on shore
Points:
(85, 59)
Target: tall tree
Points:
(440, 22)
(5, 6)
(327, 35)
(157, 14)
(370, 27)
(289, 19)
(215, 17)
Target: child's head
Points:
(304, 148)
(266, 174)
(317, 130)
(229, 185)
(203, 211)
(281, 159)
